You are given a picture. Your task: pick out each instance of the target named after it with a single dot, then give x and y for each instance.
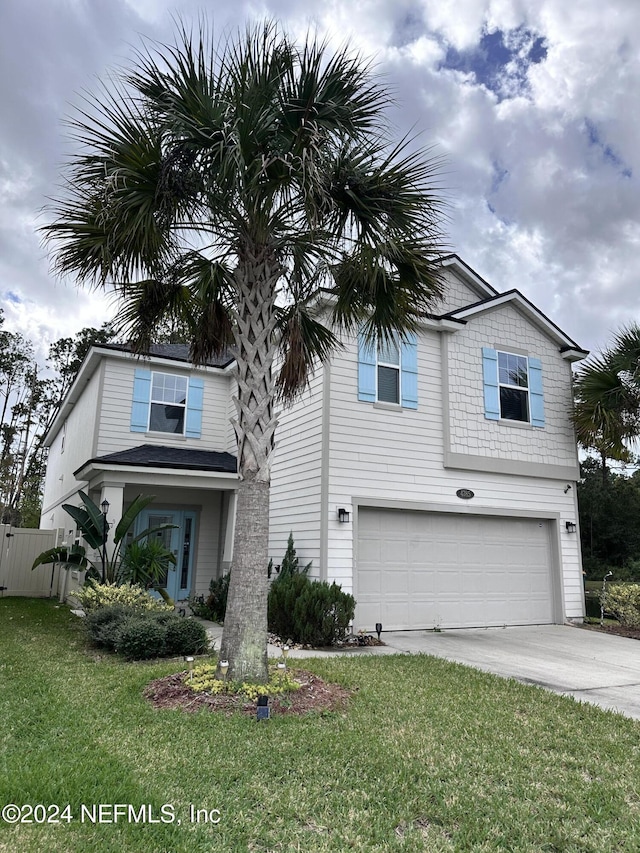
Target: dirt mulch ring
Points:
(314, 695)
(620, 630)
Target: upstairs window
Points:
(513, 389)
(168, 403)
(389, 372)
(513, 381)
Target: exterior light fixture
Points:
(223, 666)
(343, 515)
(282, 665)
(189, 660)
(571, 526)
(378, 629)
(104, 506)
(567, 488)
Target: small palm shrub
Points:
(623, 601)
(214, 606)
(94, 595)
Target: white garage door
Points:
(426, 570)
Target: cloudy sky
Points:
(535, 104)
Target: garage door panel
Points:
(421, 570)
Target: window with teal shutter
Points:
(388, 372)
(512, 387)
(167, 403)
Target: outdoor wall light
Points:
(567, 488)
(571, 526)
(343, 515)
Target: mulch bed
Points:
(314, 695)
(620, 630)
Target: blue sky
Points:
(533, 104)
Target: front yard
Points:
(427, 756)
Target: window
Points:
(168, 403)
(388, 372)
(513, 388)
(513, 381)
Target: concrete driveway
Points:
(593, 667)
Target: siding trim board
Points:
(497, 465)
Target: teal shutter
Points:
(195, 399)
(409, 362)
(536, 392)
(366, 370)
(141, 397)
(490, 379)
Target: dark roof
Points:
(159, 456)
(177, 352)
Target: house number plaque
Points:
(465, 494)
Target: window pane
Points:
(389, 352)
(388, 385)
(514, 404)
(166, 418)
(512, 369)
(168, 388)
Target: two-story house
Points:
(433, 477)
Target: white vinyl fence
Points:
(18, 549)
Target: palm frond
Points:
(304, 341)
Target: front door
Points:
(180, 541)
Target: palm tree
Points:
(225, 188)
(607, 399)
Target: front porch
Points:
(193, 490)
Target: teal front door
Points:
(180, 541)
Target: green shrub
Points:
(185, 637)
(141, 637)
(309, 611)
(623, 601)
(283, 594)
(103, 624)
(214, 606)
(143, 634)
(94, 595)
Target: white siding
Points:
(397, 456)
(296, 478)
(458, 294)
(115, 411)
(79, 436)
(505, 327)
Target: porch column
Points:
(227, 551)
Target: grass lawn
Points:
(430, 756)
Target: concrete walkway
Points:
(591, 666)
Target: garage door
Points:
(426, 570)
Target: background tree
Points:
(607, 399)
(609, 521)
(223, 187)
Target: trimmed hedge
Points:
(140, 635)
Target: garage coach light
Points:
(571, 526)
(343, 515)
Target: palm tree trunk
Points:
(244, 639)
